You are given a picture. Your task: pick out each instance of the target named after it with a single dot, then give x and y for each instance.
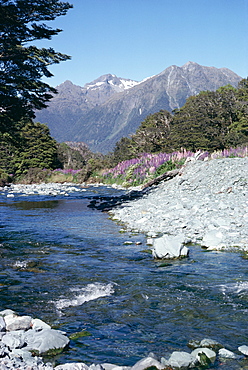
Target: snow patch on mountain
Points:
(117, 84)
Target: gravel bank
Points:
(207, 204)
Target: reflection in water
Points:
(25, 206)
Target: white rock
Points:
(211, 355)
(225, 353)
(209, 343)
(147, 362)
(45, 340)
(169, 246)
(213, 239)
(72, 366)
(181, 360)
(7, 312)
(38, 324)
(14, 322)
(2, 324)
(14, 339)
(243, 349)
(108, 366)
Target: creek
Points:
(68, 264)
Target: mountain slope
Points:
(73, 101)
(109, 108)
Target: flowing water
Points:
(68, 265)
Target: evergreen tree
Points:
(35, 148)
(152, 134)
(209, 121)
(150, 137)
(22, 65)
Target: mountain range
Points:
(110, 107)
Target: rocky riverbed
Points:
(23, 339)
(207, 204)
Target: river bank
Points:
(23, 339)
(207, 204)
(50, 259)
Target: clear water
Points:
(67, 264)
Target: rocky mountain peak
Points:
(110, 82)
(111, 107)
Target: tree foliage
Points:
(212, 120)
(23, 143)
(22, 64)
(150, 137)
(35, 149)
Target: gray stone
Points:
(181, 360)
(72, 366)
(107, 366)
(38, 325)
(6, 312)
(14, 339)
(164, 362)
(204, 355)
(209, 211)
(243, 349)
(210, 343)
(3, 349)
(147, 362)
(45, 340)
(169, 247)
(24, 355)
(213, 239)
(2, 324)
(225, 353)
(96, 367)
(14, 322)
(193, 344)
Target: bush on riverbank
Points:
(133, 172)
(148, 166)
(38, 176)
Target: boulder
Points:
(108, 366)
(14, 339)
(96, 367)
(38, 325)
(72, 366)
(14, 322)
(204, 356)
(225, 353)
(169, 247)
(210, 343)
(6, 312)
(206, 343)
(45, 340)
(164, 362)
(79, 366)
(147, 362)
(26, 356)
(181, 360)
(243, 349)
(213, 240)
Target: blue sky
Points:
(139, 38)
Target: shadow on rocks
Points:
(106, 203)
